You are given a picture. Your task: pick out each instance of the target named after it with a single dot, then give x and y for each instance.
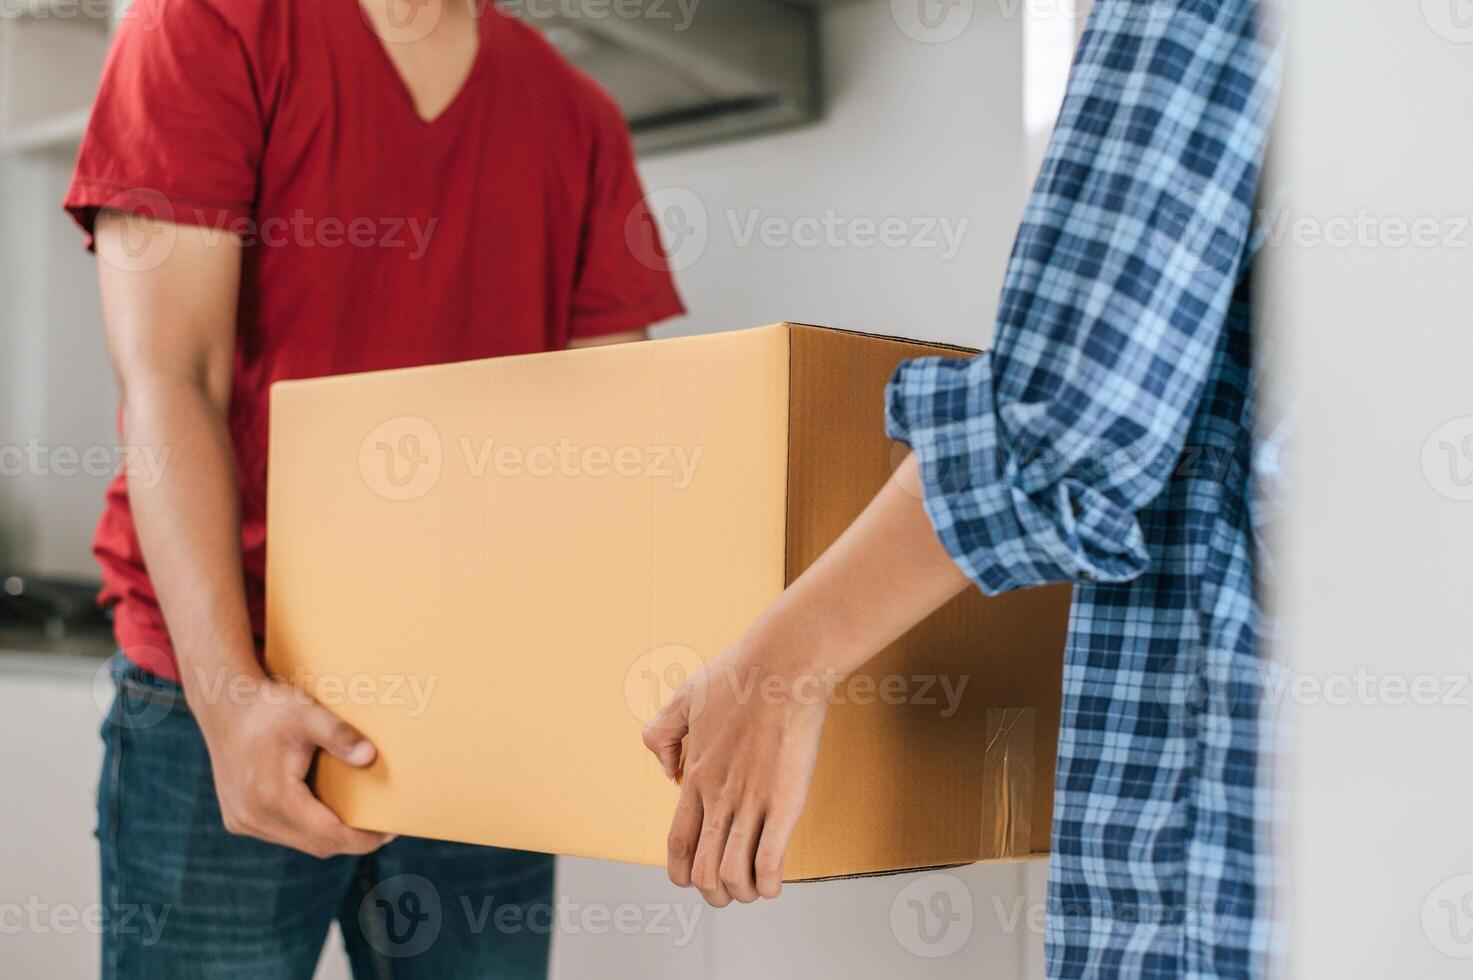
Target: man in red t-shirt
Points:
(279, 189)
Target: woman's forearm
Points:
(748, 763)
(885, 573)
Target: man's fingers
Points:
(320, 830)
(685, 832)
(338, 737)
(666, 730)
(705, 870)
(741, 849)
(777, 832)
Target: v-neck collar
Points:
(396, 80)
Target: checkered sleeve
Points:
(1037, 457)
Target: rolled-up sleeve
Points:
(1037, 457)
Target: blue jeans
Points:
(185, 898)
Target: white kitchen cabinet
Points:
(51, 54)
(49, 765)
(53, 709)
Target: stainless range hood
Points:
(691, 71)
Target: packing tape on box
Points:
(1007, 779)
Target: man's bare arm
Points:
(625, 337)
(171, 332)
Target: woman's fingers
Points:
(742, 757)
(665, 732)
(685, 833)
(772, 851)
(741, 850)
(705, 872)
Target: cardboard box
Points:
(498, 569)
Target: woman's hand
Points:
(751, 719)
(751, 737)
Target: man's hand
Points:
(751, 741)
(261, 749)
(171, 331)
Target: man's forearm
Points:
(171, 333)
(885, 573)
(189, 528)
(605, 340)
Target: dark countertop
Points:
(91, 645)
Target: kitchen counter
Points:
(30, 652)
(78, 643)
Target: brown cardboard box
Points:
(498, 569)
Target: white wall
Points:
(1375, 130)
(57, 393)
(914, 131)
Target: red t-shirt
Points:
(511, 223)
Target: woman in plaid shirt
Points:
(1107, 441)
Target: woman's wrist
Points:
(886, 573)
(797, 646)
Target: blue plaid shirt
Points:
(1107, 440)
